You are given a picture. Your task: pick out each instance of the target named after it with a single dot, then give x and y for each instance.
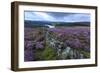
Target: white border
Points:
(23, 64)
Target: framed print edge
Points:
(15, 34)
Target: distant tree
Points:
(54, 24)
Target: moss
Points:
(49, 54)
(86, 54)
(38, 55)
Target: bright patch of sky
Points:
(57, 16)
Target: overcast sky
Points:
(56, 16)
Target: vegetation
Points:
(57, 43)
(49, 54)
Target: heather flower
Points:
(39, 45)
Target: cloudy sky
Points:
(56, 16)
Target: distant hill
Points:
(28, 23)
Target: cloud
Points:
(43, 16)
(38, 16)
(57, 17)
(77, 18)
